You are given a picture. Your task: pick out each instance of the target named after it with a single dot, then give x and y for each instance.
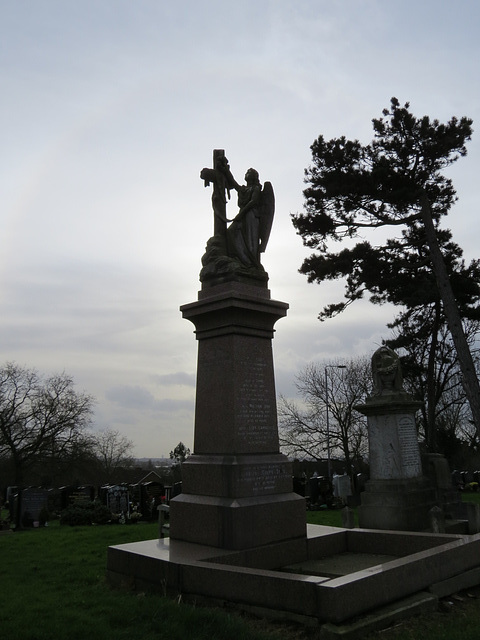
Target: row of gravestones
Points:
(320, 490)
(31, 507)
(317, 486)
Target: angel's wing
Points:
(266, 217)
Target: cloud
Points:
(134, 397)
(180, 378)
(109, 113)
(131, 397)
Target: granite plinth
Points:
(237, 523)
(237, 487)
(235, 409)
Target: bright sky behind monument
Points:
(110, 110)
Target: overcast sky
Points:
(110, 109)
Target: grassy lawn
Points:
(471, 497)
(52, 586)
(328, 517)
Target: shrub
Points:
(86, 514)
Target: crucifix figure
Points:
(221, 178)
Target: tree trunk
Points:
(430, 427)
(454, 321)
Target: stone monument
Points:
(238, 533)
(237, 487)
(397, 496)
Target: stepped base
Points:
(237, 523)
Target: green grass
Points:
(328, 517)
(457, 619)
(52, 585)
(471, 497)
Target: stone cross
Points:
(222, 179)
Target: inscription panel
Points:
(256, 409)
(236, 408)
(393, 444)
(214, 396)
(384, 450)
(409, 450)
(263, 479)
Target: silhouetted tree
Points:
(180, 453)
(305, 430)
(40, 419)
(431, 371)
(394, 182)
(112, 450)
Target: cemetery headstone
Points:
(81, 495)
(342, 487)
(54, 501)
(117, 499)
(32, 502)
(436, 468)
(397, 496)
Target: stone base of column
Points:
(237, 523)
(237, 502)
(401, 505)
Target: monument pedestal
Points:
(397, 496)
(236, 487)
(397, 505)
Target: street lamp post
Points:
(329, 366)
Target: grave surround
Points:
(262, 580)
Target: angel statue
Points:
(247, 236)
(237, 248)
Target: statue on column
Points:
(235, 250)
(387, 377)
